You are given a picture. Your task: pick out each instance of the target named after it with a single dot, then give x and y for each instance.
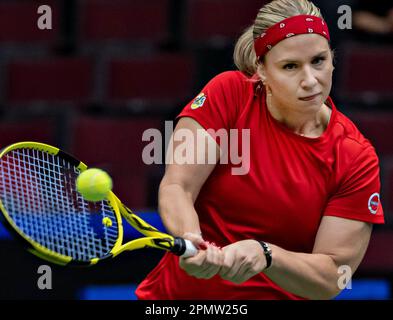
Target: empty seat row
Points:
(166, 77)
(213, 20)
(18, 22)
(162, 79)
(377, 127)
(129, 21)
(136, 20)
(363, 75)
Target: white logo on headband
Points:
(309, 19)
(282, 25)
(290, 35)
(324, 33)
(310, 30)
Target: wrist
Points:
(192, 234)
(267, 251)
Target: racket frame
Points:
(153, 238)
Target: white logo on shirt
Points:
(373, 203)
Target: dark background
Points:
(108, 70)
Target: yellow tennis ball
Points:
(94, 184)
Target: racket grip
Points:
(183, 247)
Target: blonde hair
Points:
(244, 54)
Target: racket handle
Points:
(183, 247)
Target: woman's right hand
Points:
(206, 263)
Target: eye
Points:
(318, 60)
(289, 66)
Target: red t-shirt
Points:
(293, 181)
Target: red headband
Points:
(301, 24)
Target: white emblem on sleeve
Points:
(373, 203)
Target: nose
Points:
(309, 79)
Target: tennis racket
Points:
(40, 204)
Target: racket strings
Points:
(38, 191)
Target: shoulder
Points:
(352, 145)
(231, 76)
(351, 134)
(229, 89)
(232, 80)
(220, 101)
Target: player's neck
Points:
(311, 124)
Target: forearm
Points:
(177, 210)
(312, 276)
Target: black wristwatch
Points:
(268, 253)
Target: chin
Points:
(318, 101)
(312, 105)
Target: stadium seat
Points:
(212, 20)
(128, 21)
(115, 145)
(387, 195)
(51, 79)
(159, 79)
(378, 260)
(378, 128)
(40, 130)
(18, 23)
(361, 76)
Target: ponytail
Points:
(244, 54)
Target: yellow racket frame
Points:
(153, 237)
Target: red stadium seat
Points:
(361, 73)
(52, 79)
(18, 22)
(40, 130)
(378, 260)
(125, 20)
(387, 191)
(116, 145)
(164, 79)
(209, 20)
(378, 128)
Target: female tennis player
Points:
(307, 205)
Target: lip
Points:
(310, 97)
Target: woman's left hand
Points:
(242, 260)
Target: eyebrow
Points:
(294, 60)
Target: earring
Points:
(268, 91)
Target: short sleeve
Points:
(217, 105)
(358, 196)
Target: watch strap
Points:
(268, 253)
